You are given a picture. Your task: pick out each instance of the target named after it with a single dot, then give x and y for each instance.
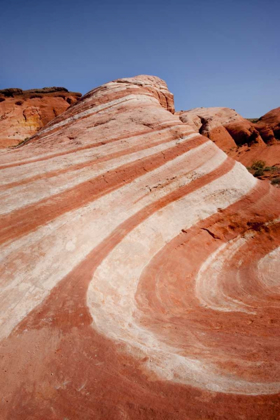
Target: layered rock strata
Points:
(139, 275)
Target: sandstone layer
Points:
(243, 140)
(24, 112)
(140, 269)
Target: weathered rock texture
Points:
(24, 112)
(269, 126)
(140, 269)
(240, 138)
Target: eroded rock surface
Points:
(243, 140)
(24, 112)
(222, 125)
(269, 126)
(140, 269)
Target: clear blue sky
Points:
(210, 52)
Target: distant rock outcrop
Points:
(240, 138)
(139, 268)
(269, 126)
(222, 125)
(24, 112)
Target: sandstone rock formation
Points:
(222, 125)
(139, 275)
(269, 126)
(240, 138)
(24, 112)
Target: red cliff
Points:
(24, 112)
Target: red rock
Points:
(139, 269)
(240, 138)
(224, 126)
(23, 113)
(271, 121)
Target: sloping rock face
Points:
(24, 112)
(241, 139)
(140, 269)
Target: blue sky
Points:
(210, 52)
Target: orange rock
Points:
(272, 122)
(224, 126)
(23, 113)
(140, 268)
(240, 138)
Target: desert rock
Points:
(270, 122)
(243, 140)
(140, 269)
(23, 113)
